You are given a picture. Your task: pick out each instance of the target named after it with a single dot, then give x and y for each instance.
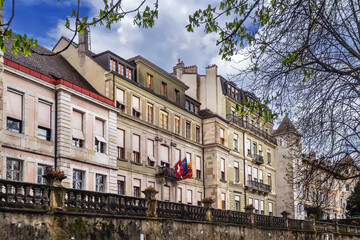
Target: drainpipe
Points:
(244, 167)
(56, 128)
(203, 153)
(114, 89)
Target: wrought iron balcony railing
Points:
(165, 172)
(258, 186)
(239, 121)
(258, 159)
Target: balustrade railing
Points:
(166, 172)
(258, 186)
(239, 121)
(258, 159)
(36, 196)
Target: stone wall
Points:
(30, 224)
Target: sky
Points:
(163, 44)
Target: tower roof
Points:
(286, 126)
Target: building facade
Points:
(119, 125)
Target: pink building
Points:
(50, 116)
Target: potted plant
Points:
(54, 177)
(150, 192)
(208, 201)
(285, 213)
(249, 208)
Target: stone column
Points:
(150, 193)
(285, 215)
(250, 210)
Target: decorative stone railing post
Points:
(285, 215)
(312, 220)
(57, 193)
(150, 193)
(336, 225)
(207, 202)
(249, 209)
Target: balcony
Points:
(239, 121)
(258, 159)
(258, 186)
(166, 172)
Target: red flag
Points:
(190, 172)
(178, 169)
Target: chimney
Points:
(84, 41)
(178, 69)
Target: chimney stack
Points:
(84, 41)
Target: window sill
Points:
(122, 159)
(136, 163)
(198, 179)
(223, 180)
(152, 167)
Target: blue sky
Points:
(163, 44)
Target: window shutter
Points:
(121, 178)
(222, 196)
(250, 201)
(261, 205)
(189, 196)
(179, 194)
(199, 196)
(221, 133)
(255, 173)
(237, 198)
(223, 165)
(136, 143)
(270, 207)
(188, 157)
(198, 163)
(249, 170)
(256, 204)
(14, 105)
(177, 155)
(120, 95)
(99, 130)
(150, 148)
(164, 153)
(236, 165)
(137, 183)
(44, 114)
(166, 193)
(248, 144)
(260, 174)
(77, 125)
(136, 103)
(120, 137)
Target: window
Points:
(100, 142)
(261, 176)
(129, 73)
(149, 81)
(177, 154)
(262, 207)
(270, 208)
(222, 169)
(188, 157)
(188, 128)
(136, 148)
(164, 89)
(14, 111)
(191, 107)
(112, 64)
(196, 109)
(235, 143)
(256, 205)
(136, 187)
(164, 156)
(121, 185)
(249, 172)
(136, 106)
(254, 148)
(150, 152)
(236, 172)
(42, 169)
(187, 105)
(176, 96)
(267, 132)
(269, 180)
(120, 69)
(268, 157)
(164, 119)
(197, 134)
(179, 195)
(237, 203)
(250, 201)
(167, 193)
(100, 183)
(120, 102)
(222, 141)
(199, 198)
(121, 143)
(189, 196)
(255, 174)
(77, 129)
(78, 179)
(223, 202)
(13, 170)
(44, 123)
(248, 147)
(198, 167)
(150, 113)
(177, 125)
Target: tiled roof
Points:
(52, 66)
(286, 126)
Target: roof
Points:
(52, 66)
(159, 68)
(286, 126)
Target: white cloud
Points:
(163, 44)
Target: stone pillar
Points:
(312, 221)
(207, 205)
(57, 198)
(285, 215)
(250, 210)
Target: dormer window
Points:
(129, 73)
(112, 64)
(177, 96)
(187, 105)
(164, 89)
(149, 81)
(120, 69)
